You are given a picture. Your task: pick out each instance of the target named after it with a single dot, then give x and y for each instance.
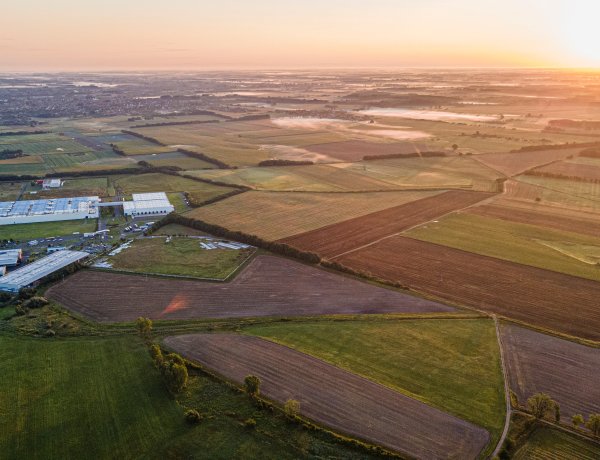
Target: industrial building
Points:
(144, 204)
(48, 210)
(10, 257)
(30, 273)
(51, 183)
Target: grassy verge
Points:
(23, 232)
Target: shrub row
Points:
(141, 136)
(567, 145)
(201, 156)
(253, 240)
(555, 175)
(197, 204)
(175, 123)
(403, 155)
(22, 133)
(285, 163)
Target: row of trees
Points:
(541, 406)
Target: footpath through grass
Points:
(24, 232)
(448, 363)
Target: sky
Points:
(63, 35)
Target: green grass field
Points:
(176, 229)
(153, 182)
(176, 199)
(564, 252)
(82, 398)
(182, 256)
(451, 364)
(88, 186)
(102, 398)
(550, 444)
(24, 232)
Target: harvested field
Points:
(543, 216)
(310, 178)
(449, 172)
(336, 239)
(284, 214)
(567, 371)
(570, 170)
(565, 194)
(540, 297)
(325, 393)
(356, 150)
(512, 164)
(268, 286)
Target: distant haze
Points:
(40, 35)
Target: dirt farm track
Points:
(540, 297)
(268, 286)
(326, 392)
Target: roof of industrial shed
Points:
(29, 273)
(153, 196)
(10, 256)
(46, 206)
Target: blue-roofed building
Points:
(48, 210)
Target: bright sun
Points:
(582, 34)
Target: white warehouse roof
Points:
(153, 196)
(34, 271)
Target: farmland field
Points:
(336, 239)
(137, 146)
(325, 392)
(562, 194)
(283, 214)
(107, 384)
(547, 443)
(268, 286)
(9, 191)
(181, 256)
(142, 183)
(567, 371)
(315, 178)
(572, 170)
(452, 364)
(24, 232)
(357, 150)
(560, 251)
(429, 172)
(541, 215)
(89, 186)
(543, 298)
(512, 164)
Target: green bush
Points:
(35, 302)
(193, 417)
(250, 423)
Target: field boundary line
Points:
(485, 200)
(506, 391)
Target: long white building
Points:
(48, 210)
(156, 203)
(30, 273)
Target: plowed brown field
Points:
(567, 371)
(577, 224)
(336, 239)
(544, 298)
(335, 397)
(268, 286)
